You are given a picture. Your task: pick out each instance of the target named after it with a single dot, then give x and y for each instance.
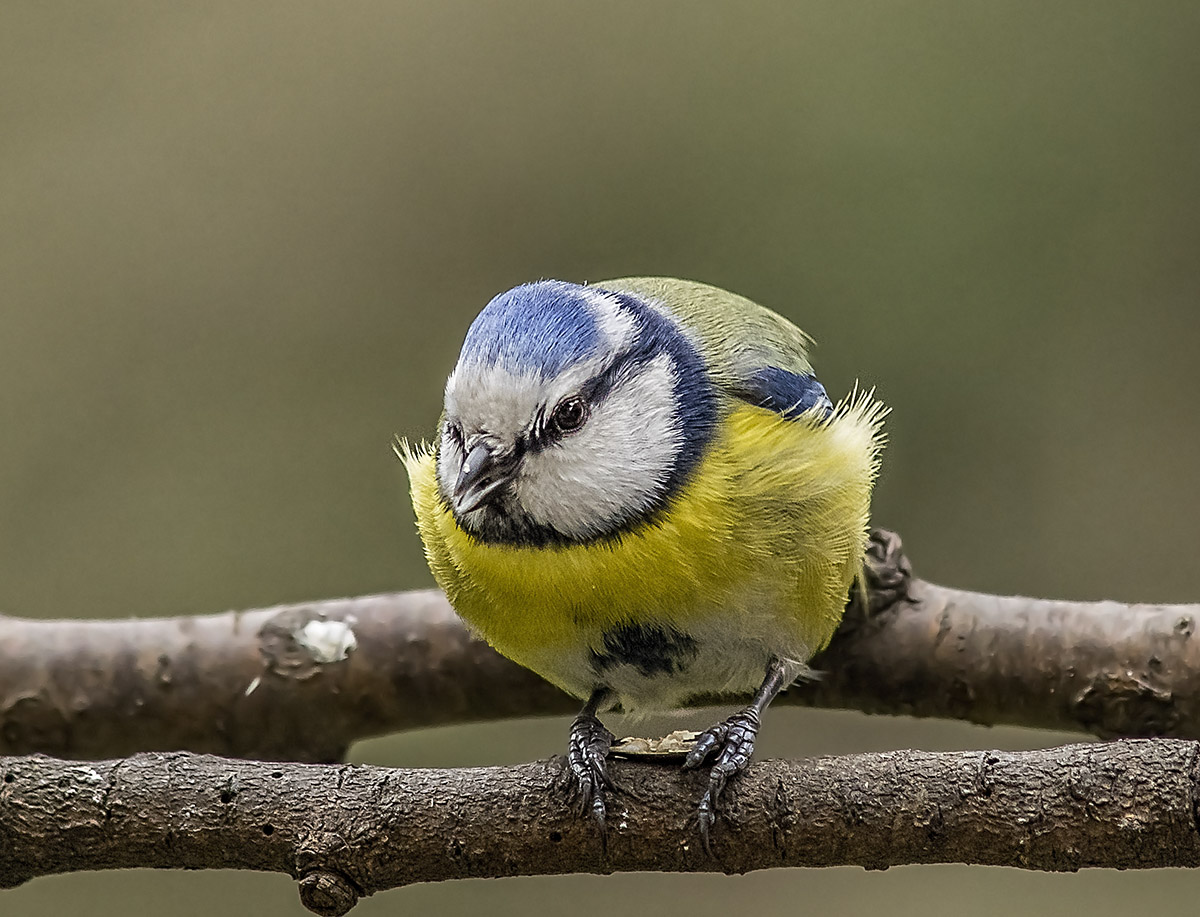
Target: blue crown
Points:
(543, 326)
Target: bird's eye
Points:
(569, 416)
(454, 433)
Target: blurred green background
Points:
(240, 244)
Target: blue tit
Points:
(641, 492)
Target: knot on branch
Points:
(299, 640)
(30, 722)
(1125, 703)
(328, 893)
(887, 573)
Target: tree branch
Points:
(278, 684)
(349, 831)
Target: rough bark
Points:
(244, 684)
(248, 684)
(1106, 668)
(349, 831)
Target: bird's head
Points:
(573, 412)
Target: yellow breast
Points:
(770, 528)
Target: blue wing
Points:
(787, 393)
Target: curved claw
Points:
(732, 744)
(587, 753)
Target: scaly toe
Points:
(706, 745)
(732, 744)
(587, 754)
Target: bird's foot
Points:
(587, 753)
(730, 744)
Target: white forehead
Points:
(501, 397)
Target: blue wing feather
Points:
(787, 393)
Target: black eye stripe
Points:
(627, 364)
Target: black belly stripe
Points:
(651, 649)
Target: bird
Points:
(640, 491)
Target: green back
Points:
(736, 337)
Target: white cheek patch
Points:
(613, 468)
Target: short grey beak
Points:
(482, 474)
